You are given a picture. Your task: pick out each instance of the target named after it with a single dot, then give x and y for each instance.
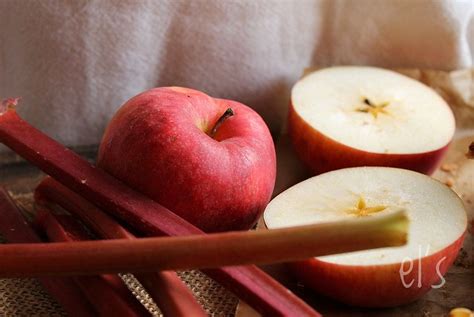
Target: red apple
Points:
(379, 277)
(364, 116)
(211, 161)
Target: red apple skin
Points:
(323, 154)
(158, 144)
(377, 285)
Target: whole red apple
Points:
(211, 161)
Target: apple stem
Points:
(227, 114)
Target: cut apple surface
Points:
(353, 116)
(382, 277)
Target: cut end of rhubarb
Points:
(396, 223)
(8, 104)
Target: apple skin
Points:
(376, 285)
(158, 144)
(323, 154)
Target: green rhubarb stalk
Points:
(204, 251)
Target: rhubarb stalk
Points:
(107, 293)
(173, 297)
(203, 251)
(15, 229)
(249, 283)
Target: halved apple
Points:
(365, 116)
(383, 277)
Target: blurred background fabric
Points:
(75, 62)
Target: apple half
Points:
(364, 116)
(380, 277)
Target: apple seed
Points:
(372, 108)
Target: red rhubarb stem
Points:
(203, 251)
(107, 293)
(173, 297)
(14, 228)
(249, 283)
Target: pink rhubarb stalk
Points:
(203, 251)
(108, 293)
(14, 228)
(172, 296)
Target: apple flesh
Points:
(213, 166)
(364, 116)
(380, 277)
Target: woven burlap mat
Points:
(26, 297)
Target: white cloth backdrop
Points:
(75, 62)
